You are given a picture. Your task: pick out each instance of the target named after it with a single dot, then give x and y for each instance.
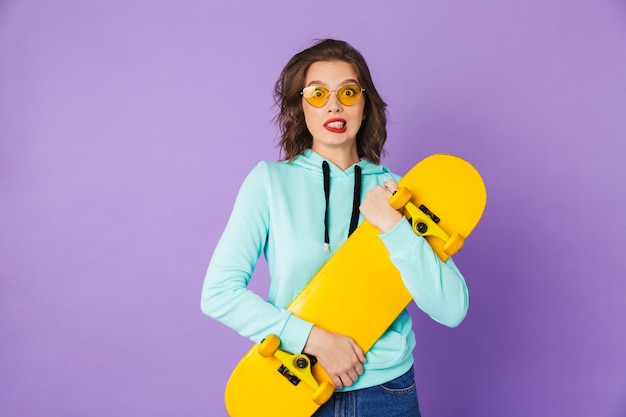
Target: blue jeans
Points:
(396, 398)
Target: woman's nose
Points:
(334, 105)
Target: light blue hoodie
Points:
(280, 211)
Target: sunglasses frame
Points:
(314, 87)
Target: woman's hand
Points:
(376, 208)
(340, 356)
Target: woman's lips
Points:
(335, 125)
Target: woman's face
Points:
(334, 125)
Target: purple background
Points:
(126, 128)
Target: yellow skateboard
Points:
(444, 197)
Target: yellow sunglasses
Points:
(347, 95)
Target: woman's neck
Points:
(342, 158)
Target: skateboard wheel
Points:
(269, 345)
(302, 362)
(400, 198)
(454, 244)
(323, 393)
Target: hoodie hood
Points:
(312, 161)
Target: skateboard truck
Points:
(424, 222)
(296, 368)
(300, 362)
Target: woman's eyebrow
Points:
(346, 82)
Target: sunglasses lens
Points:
(316, 96)
(349, 94)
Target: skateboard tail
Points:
(453, 208)
(246, 389)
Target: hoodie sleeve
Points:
(225, 296)
(437, 287)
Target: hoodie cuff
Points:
(398, 239)
(295, 334)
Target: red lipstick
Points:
(335, 125)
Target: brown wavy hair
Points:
(295, 137)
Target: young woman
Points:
(299, 211)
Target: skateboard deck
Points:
(444, 198)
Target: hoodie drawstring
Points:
(326, 171)
(356, 201)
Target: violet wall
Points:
(126, 128)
